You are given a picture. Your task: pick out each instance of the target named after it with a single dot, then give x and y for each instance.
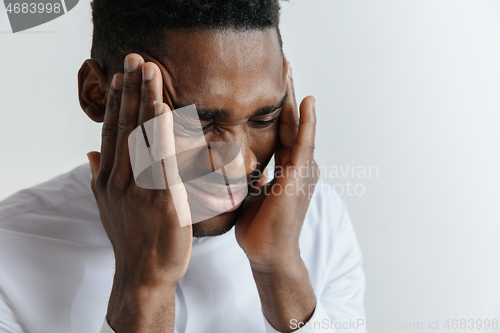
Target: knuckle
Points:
(135, 191)
(115, 185)
(146, 96)
(100, 183)
(108, 130)
(302, 145)
(114, 100)
(126, 122)
(129, 88)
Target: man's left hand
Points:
(272, 217)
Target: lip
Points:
(216, 188)
(218, 199)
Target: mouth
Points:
(215, 197)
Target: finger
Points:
(161, 133)
(110, 125)
(166, 173)
(128, 116)
(289, 115)
(151, 91)
(151, 106)
(292, 92)
(303, 148)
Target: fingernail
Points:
(314, 101)
(147, 73)
(158, 108)
(117, 82)
(131, 64)
(290, 70)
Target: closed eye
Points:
(263, 123)
(267, 121)
(254, 123)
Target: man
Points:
(283, 260)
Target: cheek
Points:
(264, 143)
(183, 143)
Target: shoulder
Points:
(55, 256)
(327, 214)
(328, 242)
(56, 208)
(45, 195)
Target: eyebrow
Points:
(221, 114)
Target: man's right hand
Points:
(151, 248)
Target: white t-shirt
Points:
(57, 266)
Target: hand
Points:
(152, 250)
(270, 225)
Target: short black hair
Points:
(125, 26)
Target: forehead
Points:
(224, 69)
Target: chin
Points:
(217, 225)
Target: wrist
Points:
(134, 308)
(141, 294)
(278, 286)
(279, 265)
(148, 269)
(294, 272)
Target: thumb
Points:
(94, 161)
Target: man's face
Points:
(237, 82)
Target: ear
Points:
(92, 89)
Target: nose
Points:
(234, 158)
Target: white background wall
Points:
(410, 87)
